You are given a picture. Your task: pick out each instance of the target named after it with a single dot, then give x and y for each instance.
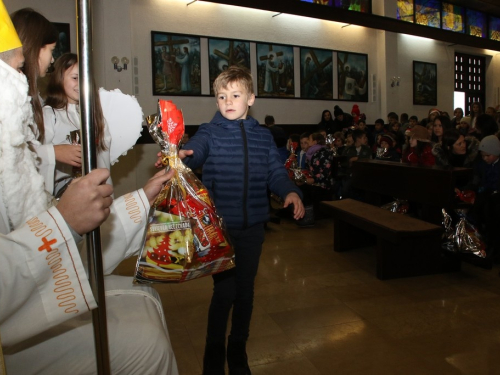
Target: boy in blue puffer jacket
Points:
(240, 163)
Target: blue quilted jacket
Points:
(240, 162)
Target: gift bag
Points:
(400, 206)
(185, 238)
(460, 236)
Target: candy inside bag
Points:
(463, 237)
(185, 238)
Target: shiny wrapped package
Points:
(185, 238)
(462, 237)
(399, 206)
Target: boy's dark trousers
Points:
(235, 287)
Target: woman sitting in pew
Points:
(456, 150)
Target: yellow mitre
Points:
(8, 35)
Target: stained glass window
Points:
(362, 6)
(427, 12)
(453, 18)
(322, 2)
(494, 28)
(405, 10)
(476, 23)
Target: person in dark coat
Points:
(240, 163)
(342, 120)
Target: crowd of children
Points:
(462, 141)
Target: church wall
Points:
(127, 24)
(123, 28)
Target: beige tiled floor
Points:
(321, 312)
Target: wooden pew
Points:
(431, 187)
(405, 246)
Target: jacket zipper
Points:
(245, 179)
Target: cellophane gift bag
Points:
(185, 238)
(462, 237)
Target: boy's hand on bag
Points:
(184, 153)
(298, 207)
(155, 183)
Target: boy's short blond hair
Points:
(234, 74)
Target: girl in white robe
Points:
(61, 117)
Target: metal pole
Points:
(96, 277)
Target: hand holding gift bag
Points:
(185, 238)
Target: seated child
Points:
(464, 126)
(304, 145)
(486, 209)
(387, 150)
(339, 142)
(419, 150)
(358, 150)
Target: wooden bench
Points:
(405, 246)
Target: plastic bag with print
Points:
(185, 238)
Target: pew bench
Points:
(405, 246)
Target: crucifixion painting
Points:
(224, 53)
(275, 70)
(316, 73)
(176, 64)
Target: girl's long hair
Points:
(35, 32)
(57, 98)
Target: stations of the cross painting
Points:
(171, 43)
(231, 57)
(265, 57)
(318, 69)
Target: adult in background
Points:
(326, 122)
(485, 126)
(456, 150)
(280, 137)
(342, 120)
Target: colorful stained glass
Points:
(427, 12)
(453, 18)
(476, 23)
(362, 6)
(322, 2)
(494, 28)
(405, 10)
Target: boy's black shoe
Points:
(237, 359)
(214, 358)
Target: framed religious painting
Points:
(63, 44)
(224, 53)
(176, 64)
(352, 70)
(316, 73)
(275, 71)
(424, 83)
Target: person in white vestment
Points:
(45, 297)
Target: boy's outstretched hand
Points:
(298, 207)
(182, 155)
